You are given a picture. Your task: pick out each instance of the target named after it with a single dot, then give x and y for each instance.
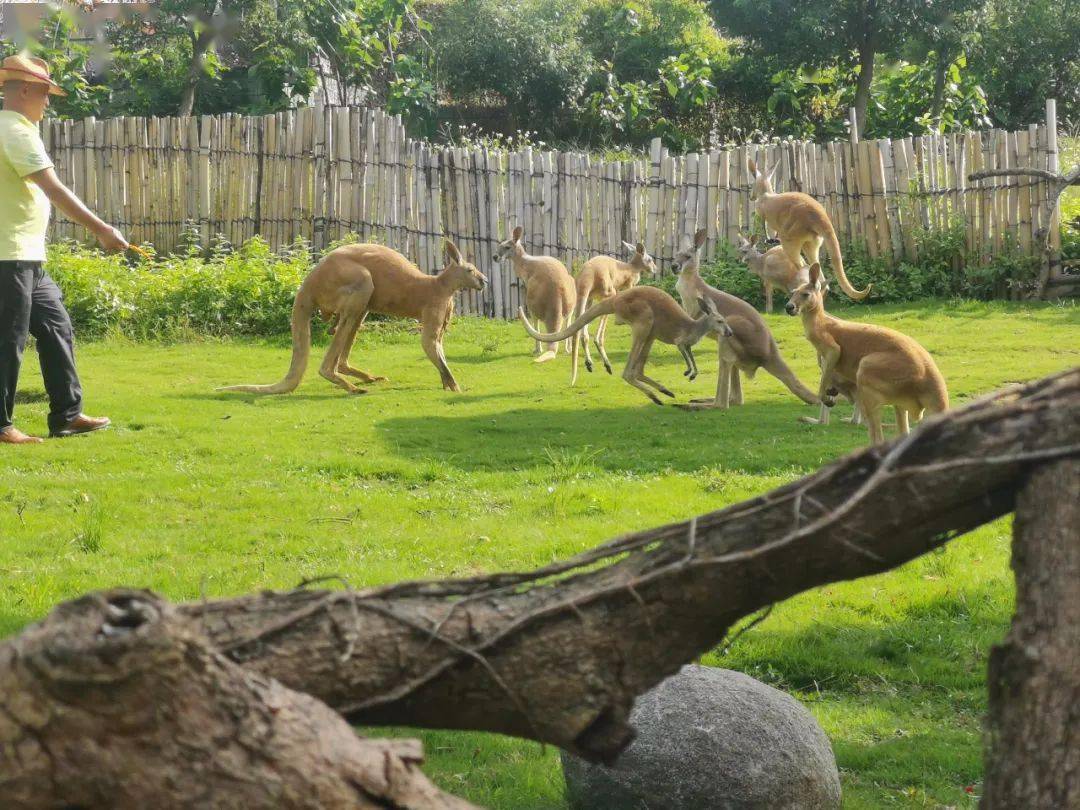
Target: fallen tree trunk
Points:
(559, 654)
(113, 701)
(1033, 759)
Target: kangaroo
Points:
(750, 347)
(549, 288)
(885, 366)
(652, 315)
(354, 280)
(773, 267)
(601, 277)
(802, 224)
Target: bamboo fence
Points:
(320, 173)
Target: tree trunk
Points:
(867, 50)
(1033, 759)
(115, 702)
(559, 654)
(200, 46)
(937, 103)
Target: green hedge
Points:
(248, 291)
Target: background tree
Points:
(1027, 53)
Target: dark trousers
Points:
(31, 304)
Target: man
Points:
(30, 302)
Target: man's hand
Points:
(110, 238)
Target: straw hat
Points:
(29, 69)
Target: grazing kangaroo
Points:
(751, 346)
(802, 224)
(652, 315)
(601, 277)
(549, 288)
(885, 366)
(354, 280)
(773, 267)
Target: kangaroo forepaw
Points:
(588, 366)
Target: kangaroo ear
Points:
(815, 275)
(518, 231)
(699, 237)
(452, 252)
(627, 247)
(640, 248)
(752, 167)
(772, 171)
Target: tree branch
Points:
(559, 654)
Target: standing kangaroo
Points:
(354, 280)
(802, 224)
(885, 366)
(751, 345)
(549, 288)
(601, 277)
(773, 267)
(653, 315)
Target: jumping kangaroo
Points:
(354, 280)
(885, 366)
(751, 346)
(773, 267)
(601, 277)
(549, 288)
(802, 224)
(652, 315)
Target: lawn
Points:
(195, 493)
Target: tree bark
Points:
(1033, 758)
(559, 654)
(113, 701)
(937, 104)
(867, 49)
(200, 46)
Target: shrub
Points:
(247, 291)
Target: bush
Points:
(248, 291)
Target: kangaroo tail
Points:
(303, 307)
(590, 315)
(779, 369)
(833, 246)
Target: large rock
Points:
(710, 739)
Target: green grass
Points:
(196, 493)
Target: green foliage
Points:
(248, 291)
(899, 93)
(1029, 52)
(527, 54)
(68, 63)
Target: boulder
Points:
(709, 739)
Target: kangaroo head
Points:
(511, 246)
(711, 315)
(689, 258)
(462, 274)
(760, 184)
(641, 259)
(746, 248)
(810, 296)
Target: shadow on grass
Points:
(29, 397)
(646, 439)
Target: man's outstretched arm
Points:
(64, 199)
